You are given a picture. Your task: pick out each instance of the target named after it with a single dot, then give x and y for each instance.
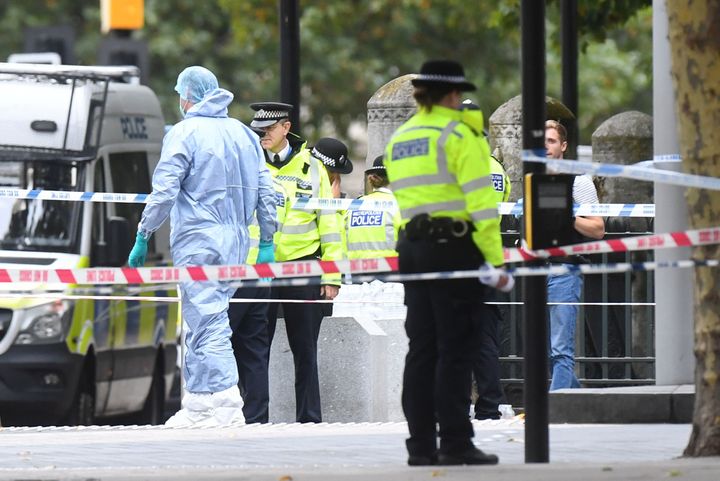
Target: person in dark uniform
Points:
(439, 169)
(249, 324)
(304, 235)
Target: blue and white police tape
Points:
(504, 208)
(602, 210)
(41, 194)
(314, 203)
(626, 171)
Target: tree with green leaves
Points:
(351, 48)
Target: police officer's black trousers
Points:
(486, 369)
(444, 325)
(302, 323)
(251, 345)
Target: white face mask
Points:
(182, 110)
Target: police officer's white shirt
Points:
(283, 154)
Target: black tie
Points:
(276, 159)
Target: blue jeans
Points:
(563, 288)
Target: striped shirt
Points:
(584, 190)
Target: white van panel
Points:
(25, 102)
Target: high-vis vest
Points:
(281, 205)
(305, 232)
(373, 233)
(500, 180)
(438, 165)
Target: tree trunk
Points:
(694, 27)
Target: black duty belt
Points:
(424, 227)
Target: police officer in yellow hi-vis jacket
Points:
(373, 233)
(334, 156)
(304, 235)
(440, 173)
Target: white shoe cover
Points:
(228, 407)
(197, 410)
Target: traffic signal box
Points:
(548, 210)
(122, 15)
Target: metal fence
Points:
(616, 322)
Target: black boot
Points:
(469, 456)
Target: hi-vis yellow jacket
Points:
(373, 233)
(500, 179)
(440, 166)
(281, 206)
(305, 232)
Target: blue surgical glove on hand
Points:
(266, 252)
(492, 276)
(138, 252)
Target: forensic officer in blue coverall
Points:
(210, 180)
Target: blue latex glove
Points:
(266, 252)
(138, 252)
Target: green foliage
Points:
(351, 48)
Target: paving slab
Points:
(331, 451)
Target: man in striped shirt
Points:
(567, 288)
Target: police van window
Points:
(129, 174)
(48, 225)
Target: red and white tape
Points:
(310, 268)
(690, 238)
(164, 275)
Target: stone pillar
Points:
(388, 109)
(505, 132)
(627, 138)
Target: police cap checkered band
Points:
(325, 159)
(333, 154)
(271, 114)
(435, 73)
(268, 113)
(453, 79)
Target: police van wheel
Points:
(153, 411)
(82, 412)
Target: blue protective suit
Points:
(210, 179)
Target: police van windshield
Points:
(34, 224)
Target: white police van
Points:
(63, 359)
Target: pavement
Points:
(373, 451)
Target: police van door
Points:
(135, 326)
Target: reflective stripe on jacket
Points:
(371, 233)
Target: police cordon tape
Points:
(316, 268)
(504, 208)
(610, 268)
(649, 174)
(41, 194)
(689, 238)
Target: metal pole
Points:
(569, 46)
(290, 58)
(534, 292)
(674, 355)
